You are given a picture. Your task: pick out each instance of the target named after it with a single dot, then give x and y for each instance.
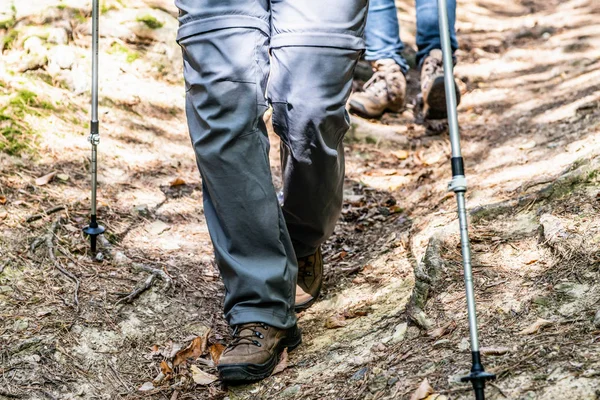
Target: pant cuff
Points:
(244, 315)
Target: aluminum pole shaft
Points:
(94, 122)
(466, 253)
(456, 153)
(449, 79)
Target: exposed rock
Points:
(139, 25)
(399, 333)
(291, 391)
(34, 44)
(58, 36)
(61, 57)
(597, 319)
(572, 290)
(360, 374)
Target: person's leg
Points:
(428, 30)
(429, 56)
(226, 67)
(382, 33)
(314, 52)
(386, 90)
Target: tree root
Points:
(48, 241)
(579, 173)
(427, 275)
(120, 258)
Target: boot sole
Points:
(307, 304)
(240, 374)
(435, 106)
(358, 109)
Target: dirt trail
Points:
(530, 120)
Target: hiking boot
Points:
(310, 280)
(386, 90)
(254, 351)
(432, 86)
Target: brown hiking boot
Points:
(254, 351)
(310, 280)
(432, 86)
(386, 90)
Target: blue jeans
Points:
(382, 33)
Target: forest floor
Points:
(118, 327)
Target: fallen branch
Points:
(120, 258)
(45, 213)
(139, 290)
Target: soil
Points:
(393, 310)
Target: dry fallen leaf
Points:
(147, 386)
(164, 367)
(215, 352)
(177, 182)
(423, 391)
(283, 363)
(158, 380)
(158, 227)
(359, 311)
(536, 326)
(335, 321)
(155, 350)
(194, 350)
(400, 154)
(442, 331)
(3, 200)
(201, 377)
(44, 180)
(63, 177)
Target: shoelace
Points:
(372, 84)
(248, 338)
(432, 64)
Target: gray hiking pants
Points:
(230, 80)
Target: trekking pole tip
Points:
(478, 376)
(93, 230)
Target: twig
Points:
(121, 258)
(118, 376)
(48, 240)
(158, 272)
(74, 279)
(45, 213)
(130, 297)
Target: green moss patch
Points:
(150, 21)
(16, 135)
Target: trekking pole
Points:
(458, 185)
(93, 229)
